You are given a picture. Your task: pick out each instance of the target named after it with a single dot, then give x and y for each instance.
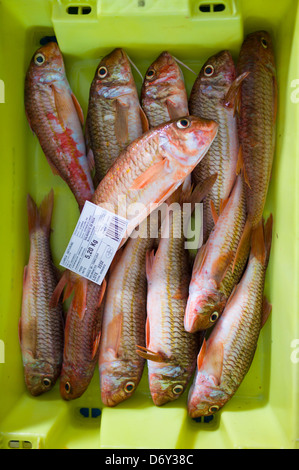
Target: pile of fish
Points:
(191, 319)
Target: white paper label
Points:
(94, 242)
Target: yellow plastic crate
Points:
(264, 412)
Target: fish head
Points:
(205, 396)
(113, 71)
(163, 78)
(47, 64)
(204, 306)
(40, 376)
(216, 75)
(119, 379)
(74, 381)
(259, 46)
(185, 141)
(167, 382)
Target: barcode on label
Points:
(94, 242)
(116, 228)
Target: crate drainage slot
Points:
(90, 412)
(213, 7)
(13, 444)
(73, 10)
(206, 419)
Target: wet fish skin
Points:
(257, 108)
(82, 336)
(207, 99)
(40, 327)
(153, 166)
(120, 367)
(114, 117)
(55, 116)
(219, 263)
(170, 350)
(227, 355)
(163, 93)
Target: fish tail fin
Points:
(40, 217)
(65, 281)
(261, 239)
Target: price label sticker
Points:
(94, 242)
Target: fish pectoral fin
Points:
(78, 108)
(102, 292)
(266, 310)
(215, 216)
(201, 354)
(220, 267)
(214, 361)
(79, 300)
(201, 190)
(149, 262)
(175, 110)
(150, 175)
(244, 244)
(95, 346)
(240, 168)
(233, 96)
(63, 105)
(144, 120)
(200, 258)
(121, 122)
(150, 355)
(113, 335)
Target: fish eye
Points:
(102, 72)
(39, 59)
(214, 316)
(213, 408)
(150, 74)
(264, 43)
(47, 382)
(129, 387)
(183, 123)
(177, 389)
(208, 70)
(67, 387)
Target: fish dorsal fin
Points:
(147, 331)
(121, 122)
(201, 190)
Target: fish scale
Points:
(256, 119)
(230, 349)
(114, 116)
(124, 320)
(41, 326)
(207, 100)
(208, 293)
(80, 355)
(54, 115)
(168, 276)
